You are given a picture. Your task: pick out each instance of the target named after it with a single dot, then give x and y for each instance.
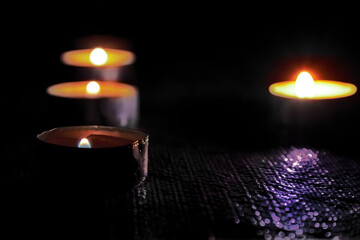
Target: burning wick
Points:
(98, 56)
(305, 86)
(92, 87)
(84, 143)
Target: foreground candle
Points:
(306, 88)
(98, 57)
(111, 156)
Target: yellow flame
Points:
(84, 143)
(98, 56)
(305, 86)
(92, 87)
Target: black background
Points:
(202, 71)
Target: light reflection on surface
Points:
(304, 199)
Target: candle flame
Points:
(92, 87)
(305, 86)
(84, 143)
(98, 56)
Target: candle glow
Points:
(84, 143)
(305, 85)
(308, 89)
(98, 56)
(92, 87)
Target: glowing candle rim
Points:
(286, 89)
(81, 58)
(77, 90)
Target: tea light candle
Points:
(92, 89)
(103, 102)
(109, 156)
(98, 57)
(306, 110)
(307, 89)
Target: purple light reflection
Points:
(308, 194)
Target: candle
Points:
(311, 111)
(306, 88)
(109, 156)
(98, 57)
(92, 89)
(97, 102)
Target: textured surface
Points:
(285, 193)
(204, 193)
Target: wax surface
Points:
(323, 89)
(81, 58)
(108, 89)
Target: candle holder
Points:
(100, 160)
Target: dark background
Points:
(202, 71)
(203, 74)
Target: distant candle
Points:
(98, 57)
(92, 89)
(306, 88)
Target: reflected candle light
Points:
(98, 57)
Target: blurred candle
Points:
(98, 57)
(102, 103)
(306, 88)
(308, 110)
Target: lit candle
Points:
(92, 89)
(306, 88)
(101, 103)
(111, 155)
(98, 57)
(308, 110)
